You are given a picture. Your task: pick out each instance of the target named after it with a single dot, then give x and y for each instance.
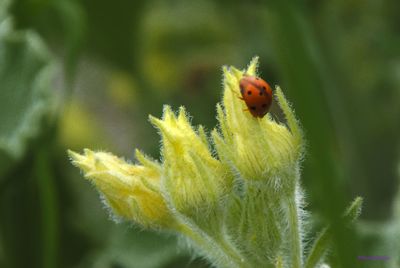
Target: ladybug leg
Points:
(236, 94)
(239, 97)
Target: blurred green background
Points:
(77, 74)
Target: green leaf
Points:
(26, 73)
(354, 210)
(322, 243)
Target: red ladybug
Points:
(257, 95)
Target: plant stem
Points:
(48, 203)
(219, 249)
(279, 262)
(294, 232)
(231, 251)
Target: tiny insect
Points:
(257, 95)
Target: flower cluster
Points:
(235, 198)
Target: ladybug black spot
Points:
(264, 105)
(261, 93)
(249, 92)
(264, 88)
(253, 108)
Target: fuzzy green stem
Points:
(294, 231)
(279, 262)
(232, 252)
(219, 250)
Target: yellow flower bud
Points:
(259, 148)
(264, 156)
(194, 180)
(132, 191)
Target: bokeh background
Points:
(86, 74)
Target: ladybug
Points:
(257, 95)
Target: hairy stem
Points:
(294, 231)
(220, 250)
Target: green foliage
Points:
(323, 241)
(129, 248)
(26, 88)
(61, 21)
